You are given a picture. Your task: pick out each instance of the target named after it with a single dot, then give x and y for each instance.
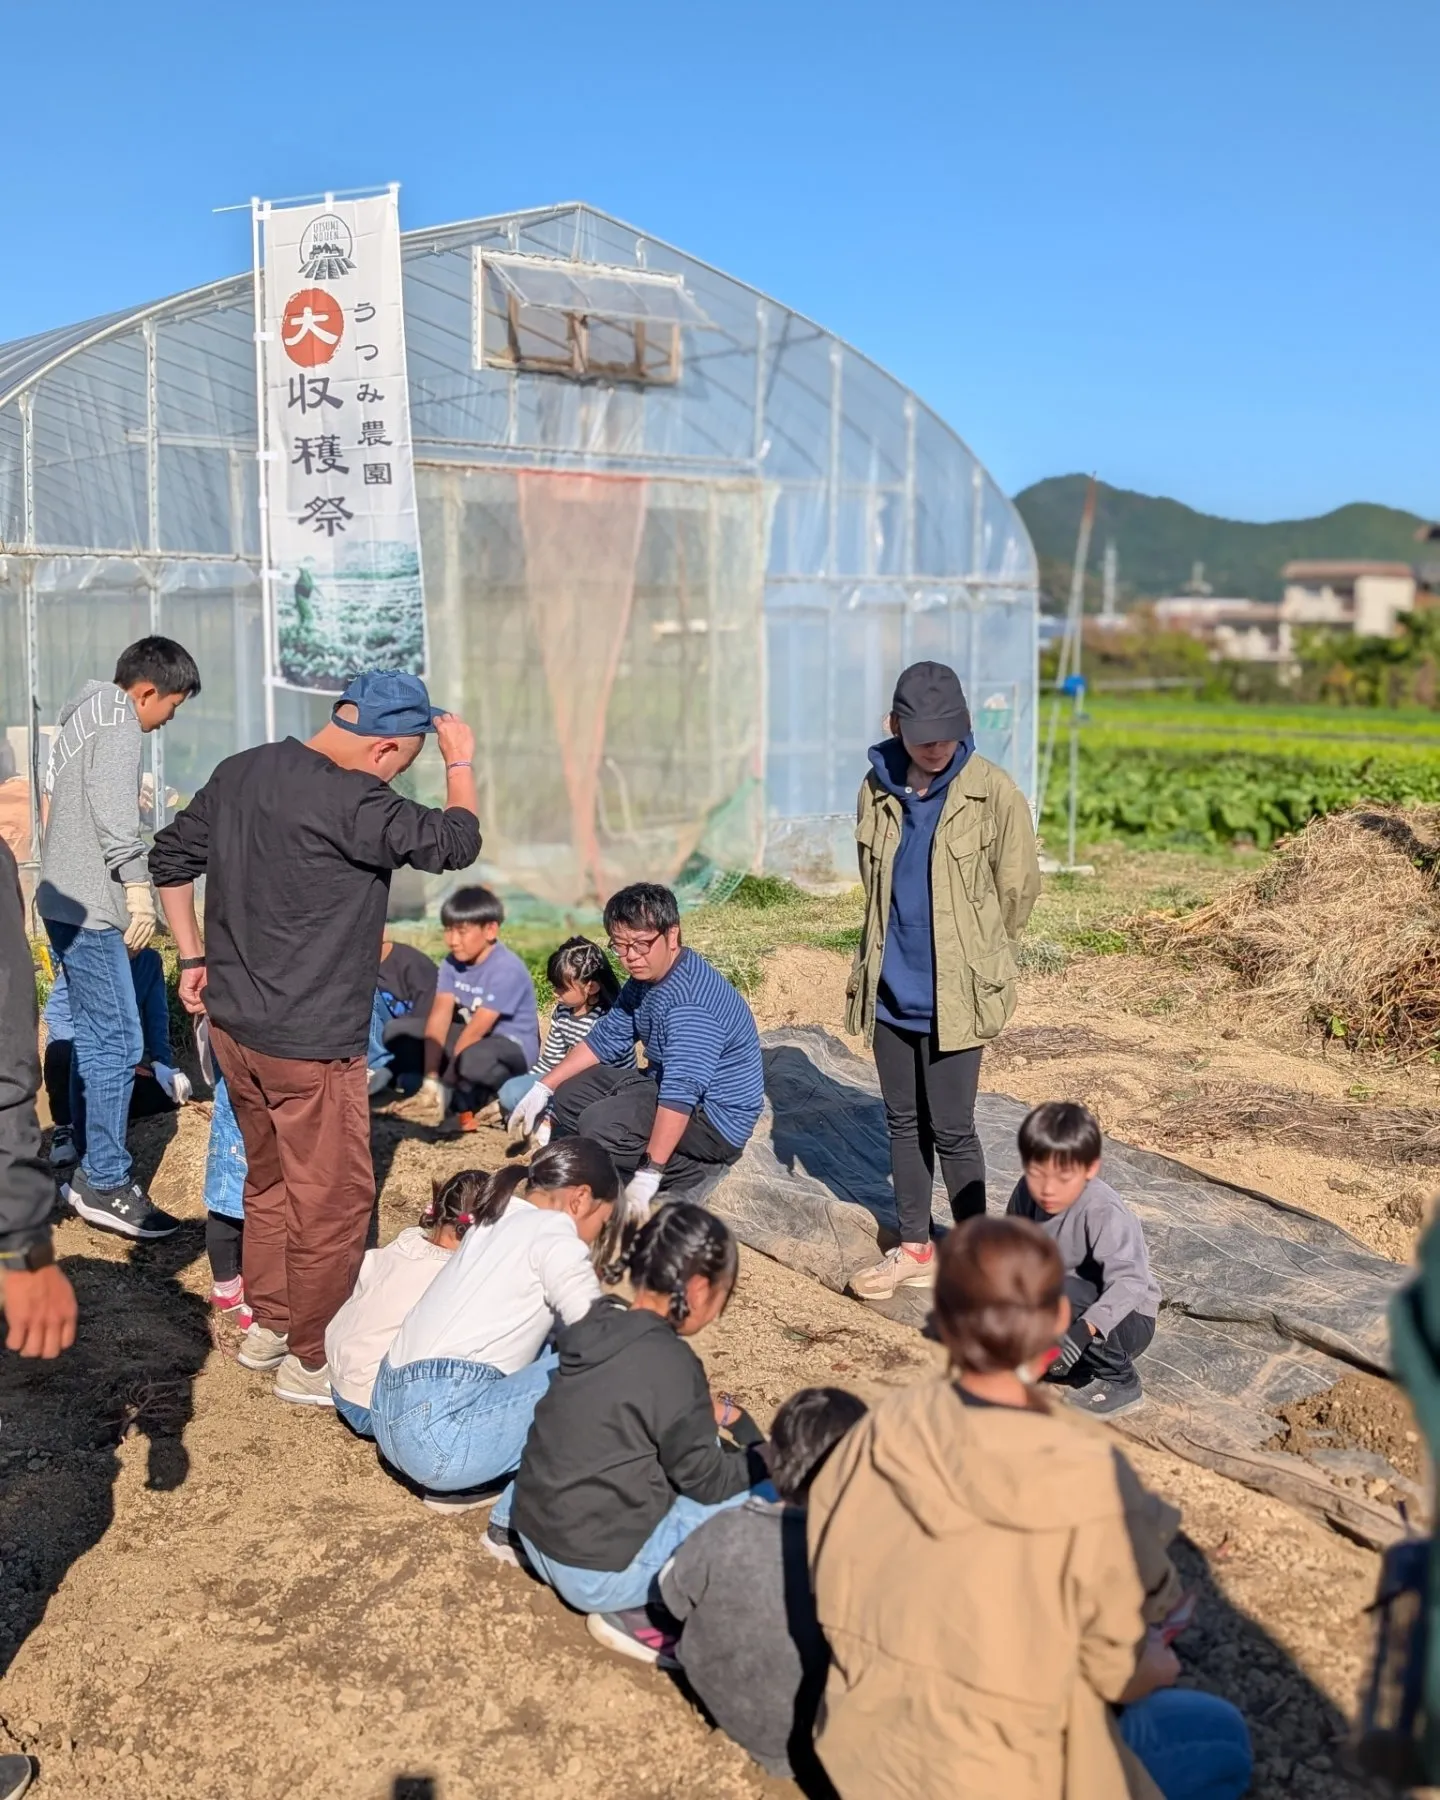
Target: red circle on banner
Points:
(311, 327)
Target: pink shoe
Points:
(228, 1299)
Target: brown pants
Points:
(309, 1186)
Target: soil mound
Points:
(1340, 929)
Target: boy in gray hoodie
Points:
(94, 896)
(1114, 1298)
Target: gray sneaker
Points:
(261, 1348)
(302, 1386)
(896, 1269)
(16, 1774)
(503, 1544)
(1106, 1399)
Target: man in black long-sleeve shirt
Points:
(38, 1301)
(297, 842)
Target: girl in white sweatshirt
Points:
(454, 1397)
(390, 1282)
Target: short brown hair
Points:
(996, 1291)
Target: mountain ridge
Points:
(1158, 541)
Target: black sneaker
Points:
(125, 1210)
(1107, 1399)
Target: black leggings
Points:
(223, 1239)
(929, 1099)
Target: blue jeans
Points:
(449, 1423)
(356, 1417)
(1194, 1746)
(225, 1163)
(376, 1055)
(601, 1590)
(514, 1091)
(108, 1044)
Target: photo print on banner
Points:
(339, 476)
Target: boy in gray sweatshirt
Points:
(94, 896)
(1114, 1298)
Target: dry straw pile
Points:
(1340, 929)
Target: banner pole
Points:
(262, 431)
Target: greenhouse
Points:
(677, 543)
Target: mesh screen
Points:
(603, 635)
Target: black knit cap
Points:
(930, 705)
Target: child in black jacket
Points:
(623, 1460)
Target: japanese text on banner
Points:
(339, 478)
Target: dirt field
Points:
(235, 1600)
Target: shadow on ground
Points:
(142, 1340)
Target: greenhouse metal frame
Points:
(771, 524)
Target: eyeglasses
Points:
(635, 946)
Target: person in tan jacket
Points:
(948, 865)
(988, 1570)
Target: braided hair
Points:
(682, 1241)
(580, 960)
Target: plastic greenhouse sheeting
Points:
(684, 533)
(1263, 1304)
(615, 620)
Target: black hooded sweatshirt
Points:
(625, 1426)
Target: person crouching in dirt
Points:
(1113, 1294)
(687, 1116)
(948, 865)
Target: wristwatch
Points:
(39, 1253)
(191, 962)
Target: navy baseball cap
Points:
(388, 703)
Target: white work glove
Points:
(527, 1114)
(644, 1186)
(140, 904)
(175, 1082)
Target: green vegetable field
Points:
(1187, 773)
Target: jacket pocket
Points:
(994, 980)
(971, 853)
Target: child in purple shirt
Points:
(483, 1025)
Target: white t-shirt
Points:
(390, 1282)
(504, 1288)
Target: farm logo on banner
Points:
(339, 477)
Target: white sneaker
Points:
(263, 1349)
(302, 1386)
(462, 1500)
(896, 1269)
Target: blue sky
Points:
(1190, 244)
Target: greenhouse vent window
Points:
(581, 320)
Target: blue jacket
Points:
(906, 995)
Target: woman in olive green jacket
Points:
(948, 865)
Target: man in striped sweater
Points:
(689, 1113)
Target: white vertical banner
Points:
(343, 538)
